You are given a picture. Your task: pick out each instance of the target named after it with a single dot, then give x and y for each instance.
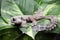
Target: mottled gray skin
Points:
(39, 15)
(52, 25)
(23, 20)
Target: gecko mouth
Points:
(18, 24)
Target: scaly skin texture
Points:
(23, 20)
(52, 25)
(39, 15)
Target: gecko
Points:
(23, 20)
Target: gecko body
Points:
(23, 20)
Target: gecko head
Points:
(16, 21)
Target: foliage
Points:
(10, 8)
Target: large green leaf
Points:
(8, 34)
(29, 31)
(2, 22)
(11, 8)
(8, 9)
(50, 7)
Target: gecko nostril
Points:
(14, 19)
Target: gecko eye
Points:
(14, 19)
(23, 18)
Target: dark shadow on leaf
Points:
(24, 37)
(45, 36)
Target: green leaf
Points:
(5, 27)
(49, 7)
(2, 22)
(11, 8)
(45, 36)
(52, 7)
(55, 11)
(29, 31)
(27, 6)
(8, 9)
(8, 34)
